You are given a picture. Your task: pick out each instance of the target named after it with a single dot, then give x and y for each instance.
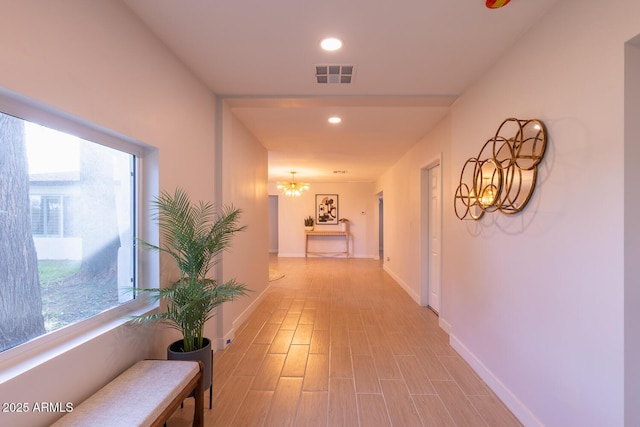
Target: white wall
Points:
(536, 300)
(402, 225)
(353, 200)
(539, 297)
(96, 61)
(244, 169)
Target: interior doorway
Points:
(632, 231)
(380, 227)
(431, 236)
(273, 224)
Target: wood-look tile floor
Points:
(337, 342)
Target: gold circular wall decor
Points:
(503, 176)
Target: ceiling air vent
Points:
(332, 74)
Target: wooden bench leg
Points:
(198, 416)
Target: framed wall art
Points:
(326, 209)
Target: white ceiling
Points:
(412, 58)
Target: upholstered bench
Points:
(145, 395)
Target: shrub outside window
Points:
(67, 227)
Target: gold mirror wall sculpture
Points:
(503, 176)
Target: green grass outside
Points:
(50, 271)
(67, 298)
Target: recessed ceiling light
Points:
(335, 119)
(331, 44)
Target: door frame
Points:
(425, 195)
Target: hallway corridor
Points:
(337, 342)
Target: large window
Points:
(67, 228)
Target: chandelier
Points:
(292, 188)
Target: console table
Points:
(344, 234)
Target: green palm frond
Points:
(193, 235)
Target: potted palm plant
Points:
(193, 234)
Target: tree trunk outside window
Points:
(20, 300)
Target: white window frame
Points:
(44, 215)
(17, 360)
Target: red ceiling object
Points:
(495, 4)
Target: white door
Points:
(435, 244)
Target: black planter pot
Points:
(174, 352)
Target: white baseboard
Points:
(523, 413)
(337, 255)
(402, 284)
(446, 326)
(223, 342)
(249, 310)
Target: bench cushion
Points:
(136, 397)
